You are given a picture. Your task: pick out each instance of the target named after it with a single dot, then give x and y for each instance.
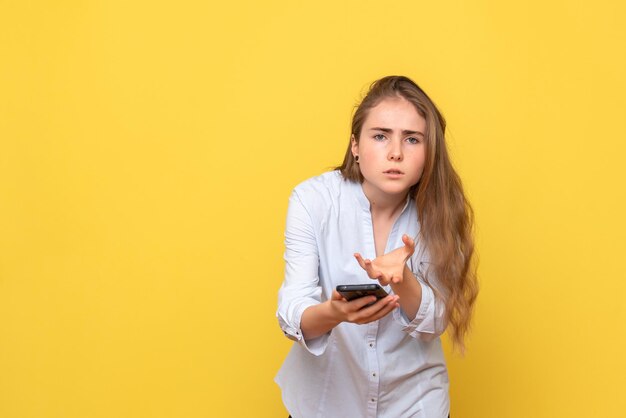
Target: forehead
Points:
(395, 113)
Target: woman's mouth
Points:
(393, 173)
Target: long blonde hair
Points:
(446, 217)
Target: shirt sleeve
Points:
(430, 320)
(300, 288)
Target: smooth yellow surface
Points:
(148, 150)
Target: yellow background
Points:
(148, 150)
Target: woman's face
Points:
(391, 148)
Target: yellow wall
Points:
(148, 149)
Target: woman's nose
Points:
(395, 151)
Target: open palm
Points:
(388, 268)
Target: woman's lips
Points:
(393, 173)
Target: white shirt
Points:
(390, 368)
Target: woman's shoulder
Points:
(321, 184)
(322, 191)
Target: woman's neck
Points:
(384, 205)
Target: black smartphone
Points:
(355, 291)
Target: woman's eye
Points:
(413, 140)
(379, 137)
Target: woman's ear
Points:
(355, 146)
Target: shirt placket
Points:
(373, 369)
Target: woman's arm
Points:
(410, 292)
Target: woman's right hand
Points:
(319, 319)
(356, 311)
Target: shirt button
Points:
(371, 344)
(374, 374)
(373, 400)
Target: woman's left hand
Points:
(388, 268)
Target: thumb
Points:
(408, 241)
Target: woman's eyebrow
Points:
(404, 131)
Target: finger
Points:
(409, 243)
(383, 311)
(390, 304)
(360, 260)
(359, 303)
(366, 264)
(373, 273)
(379, 305)
(384, 279)
(381, 279)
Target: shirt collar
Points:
(365, 203)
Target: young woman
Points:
(393, 213)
